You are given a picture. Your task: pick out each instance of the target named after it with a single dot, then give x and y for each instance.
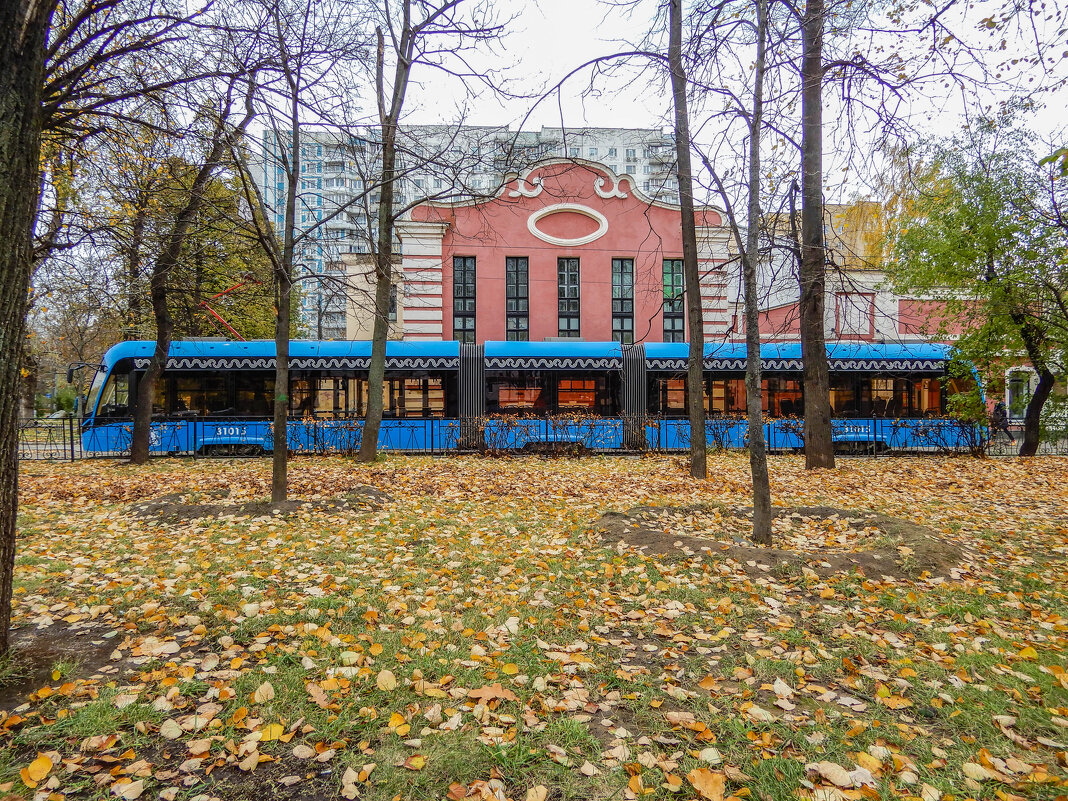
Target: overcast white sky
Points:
(547, 38)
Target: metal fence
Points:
(49, 438)
(64, 439)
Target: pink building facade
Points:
(568, 249)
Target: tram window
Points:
(401, 397)
(115, 398)
(520, 395)
(960, 385)
(254, 394)
(302, 396)
(673, 394)
(843, 396)
(667, 396)
(576, 393)
(95, 389)
(203, 394)
(926, 396)
(423, 397)
(882, 397)
(724, 395)
(781, 397)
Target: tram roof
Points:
(769, 351)
(298, 349)
(448, 349)
(554, 349)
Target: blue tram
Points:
(216, 397)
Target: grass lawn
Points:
(473, 636)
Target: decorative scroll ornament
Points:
(522, 190)
(613, 192)
(304, 363)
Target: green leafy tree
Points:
(220, 252)
(979, 230)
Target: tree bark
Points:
(1034, 343)
(284, 292)
(146, 387)
(819, 446)
(23, 38)
(383, 280)
(758, 453)
(1033, 416)
(691, 275)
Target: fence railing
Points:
(66, 440)
(50, 438)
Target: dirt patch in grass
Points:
(317, 782)
(183, 507)
(34, 654)
(846, 541)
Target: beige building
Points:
(359, 271)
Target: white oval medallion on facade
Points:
(568, 208)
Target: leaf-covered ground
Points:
(473, 637)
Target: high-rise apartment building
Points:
(340, 183)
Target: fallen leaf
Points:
(386, 681)
(36, 771)
(492, 692)
(835, 774)
(270, 732)
(128, 790)
(709, 784)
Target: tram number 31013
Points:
(231, 431)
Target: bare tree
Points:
(819, 447)
(222, 130)
(749, 252)
(304, 55)
(691, 274)
(411, 33)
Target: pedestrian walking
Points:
(999, 421)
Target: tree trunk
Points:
(146, 387)
(384, 247)
(691, 276)
(280, 456)
(22, 58)
(819, 447)
(1033, 416)
(758, 452)
(284, 291)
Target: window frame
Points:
(674, 320)
(517, 298)
(464, 298)
(568, 297)
(623, 300)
